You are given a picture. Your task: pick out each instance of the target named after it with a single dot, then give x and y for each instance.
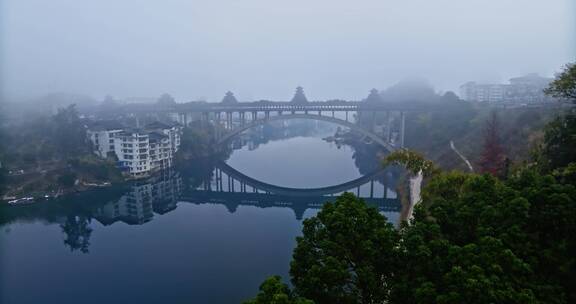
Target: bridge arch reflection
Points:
(233, 188)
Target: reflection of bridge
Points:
(299, 204)
(232, 180)
(232, 188)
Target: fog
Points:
(263, 49)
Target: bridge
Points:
(386, 143)
(232, 119)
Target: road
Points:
(461, 156)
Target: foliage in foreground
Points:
(412, 161)
(474, 239)
(273, 291)
(346, 254)
(564, 86)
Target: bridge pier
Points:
(388, 127)
(402, 128)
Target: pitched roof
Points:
(104, 125)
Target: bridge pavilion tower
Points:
(299, 96)
(229, 98)
(374, 96)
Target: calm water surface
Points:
(148, 245)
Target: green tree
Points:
(560, 135)
(476, 239)
(69, 133)
(564, 86)
(559, 147)
(273, 291)
(413, 161)
(347, 254)
(166, 100)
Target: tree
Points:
(166, 100)
(473, 239)
(476, 239)
(492, 158)
(559, 147)
(564, 86)
(69, 132)
(273, 291)
(347, 254)
(560, 135)
(412, 161)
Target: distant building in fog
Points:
(525, 89)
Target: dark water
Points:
(204, 233)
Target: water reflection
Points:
(213, 181)
(78, 231)
(186, 233)
(158, 194)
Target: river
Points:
(198, 234)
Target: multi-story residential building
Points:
(525, 89)
(139, 151)
(101, 134)
(473, 91)
(132, 149)
(528, 89)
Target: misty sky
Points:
(263, 49)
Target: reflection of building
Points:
(139, 151)
(159, 194)
(525, 89)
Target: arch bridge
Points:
(231, 120)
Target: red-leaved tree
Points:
(492, 159)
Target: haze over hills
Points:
(261, 49)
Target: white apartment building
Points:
(139, 152)
(525, 89)
(132, 148)
(472, 91)
(101, 134)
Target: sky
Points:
(263, 49)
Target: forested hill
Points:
(518, 129)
